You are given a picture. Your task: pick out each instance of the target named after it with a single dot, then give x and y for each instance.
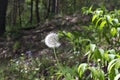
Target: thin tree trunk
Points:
(48, 8)
(53, 6)
(57, 6)
(37, 10)
(31, 12)
(19, 7)
(14, 12)
(3, 8)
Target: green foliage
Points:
(113, 68)
(104, 22)
(95, 50)
(95, 74)
(76, 40)
(67, 72)
(81, 69)
(105, 27)
(28, 69)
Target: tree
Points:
(31, 12)
(3, 8)
(37, 10)
(48, 8)
(55, 6)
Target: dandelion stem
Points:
(55, 56)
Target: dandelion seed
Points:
(51, 40)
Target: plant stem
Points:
(55, 56)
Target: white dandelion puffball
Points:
(51, 40)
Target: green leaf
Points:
(106, 57)
(111, 64)
(102, 75)
(109, 19)
(117, 77)
(117, 55)
(96, 55)
(117, 65)
(111, 56)
(92, 47)
(94, 17)
(90, 9)
(94, 71)
(98, 21)
(113, 31)
(81, 69)
(97, 73)
(101, 52)
(98, 12)
(112, 74)
(115, 20)
(69, 35)
(112, 51)
(102, 25)
(113, 67)
(118, 29)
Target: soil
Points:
(32, 40)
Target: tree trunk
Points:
(48, 8)
(14, 12)
(37, 10)
(3, 8)
(20, 10)
(53, 6)
(19, 13)
(31, 12)
(56, 6)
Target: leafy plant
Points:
(95, 72)
(113, 68)
(105, 24)
(68, 73)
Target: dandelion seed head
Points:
(52, 40)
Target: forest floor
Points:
(32, 40)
